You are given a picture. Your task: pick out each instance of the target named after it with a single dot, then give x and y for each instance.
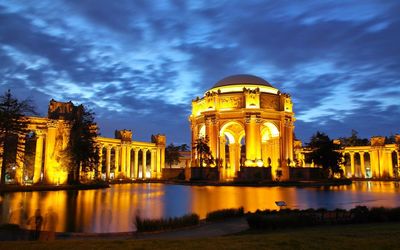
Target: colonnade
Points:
(130, 159)
(48, 163)
(371, 162)
(377, 160)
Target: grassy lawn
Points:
(368, 236)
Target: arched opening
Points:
(347, 165)
(148, 164)
(140, 166)
(103, 168)
(231, 134)
(395, 164)
(28, 167)
(112, 163)
(357, 165)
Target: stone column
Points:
(100, 166)
(108, 163)
(116, 171)
(144, 167)
(20, 160)
(38, 156)
(153, 170)
(128, 162)
(389, 164)
(222, 169)
(123, 159)
(159, 171)
(48, 171)
(162, 158)
(253, 140)
(362, 165)
(195, 133)
(136, 164)
(351, 164)
(232, 159)
(212, 133)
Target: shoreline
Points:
(301, 184)
(33, 188)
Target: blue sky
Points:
(138, 64)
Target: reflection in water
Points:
(113, 209)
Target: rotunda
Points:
(248, 124)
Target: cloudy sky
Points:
(138, 64)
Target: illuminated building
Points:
(120, 157)
(249, 124)
(376, 161)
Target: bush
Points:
(147, 225)
(225, 213)
(280, 221)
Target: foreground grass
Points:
(366, 236)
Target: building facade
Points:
(375, 161)
(41, 158)
(248, 124)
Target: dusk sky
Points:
(138, 64)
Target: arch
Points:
(228, 124)
(269, 131)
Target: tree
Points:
(13, 124)
(203, 151)
(325, 153)
(354, 140)
(82, 148)
(172, 154)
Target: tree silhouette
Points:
(172, 154)
(13, 124)
(82, 148)
(325, 152)
(203, 151)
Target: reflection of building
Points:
(248, 122)
(120, 157)
(377, 160)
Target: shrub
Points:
(378, 214)
(225, 213)
(280, 221)
(147, 225)
(359, 214)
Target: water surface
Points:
(113, 209)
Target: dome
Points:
(240, 80)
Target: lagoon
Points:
(114, 209)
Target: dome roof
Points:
(242, 79)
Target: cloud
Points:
(139, 64)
